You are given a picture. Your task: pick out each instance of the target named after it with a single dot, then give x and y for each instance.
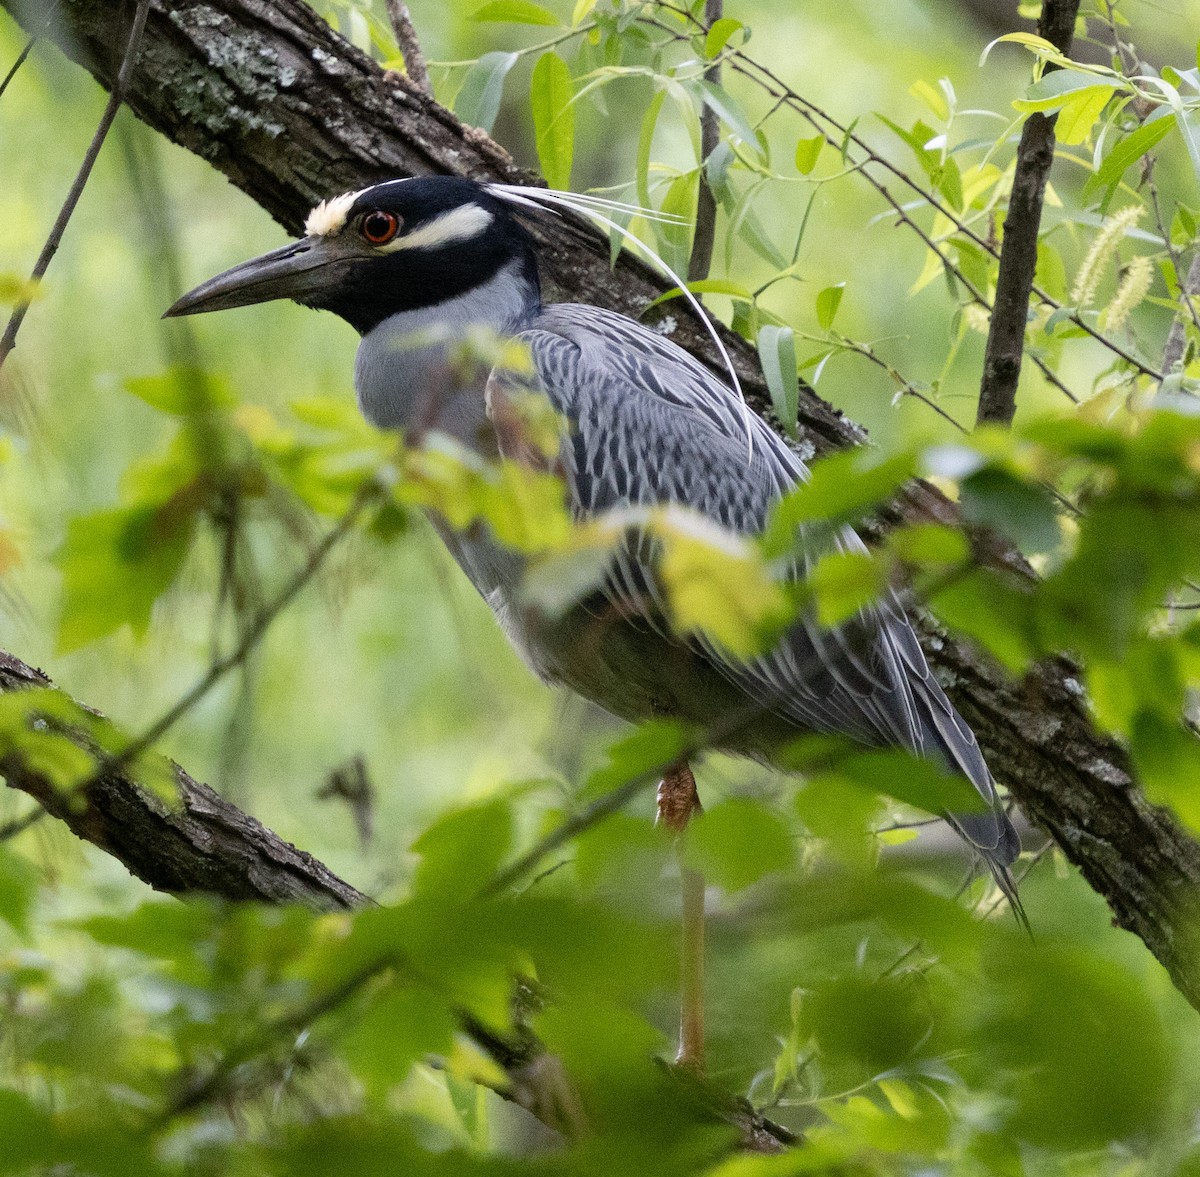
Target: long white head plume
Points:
(546, 200)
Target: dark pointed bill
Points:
(292, 271)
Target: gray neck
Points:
(407, 376)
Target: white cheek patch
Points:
(459, 224)
(329, 217)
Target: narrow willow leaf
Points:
(645, 144)
(550, 93)
(1130, 149)
(706, 286)
(719, 34)
(583, 9)
(675, 237)
(808, 151)
(828, 302)
(777, 354)
(516, 12)
(1080, 114)
(728, 111)
(934, 99)
(478, 101)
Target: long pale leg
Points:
(677, 801)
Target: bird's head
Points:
(371, 254)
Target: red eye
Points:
(379, 227)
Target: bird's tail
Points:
(991, 834)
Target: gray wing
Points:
(650, 425)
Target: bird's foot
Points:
(677, 798)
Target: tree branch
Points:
(291, 113)
(128, 61)
(205, 845)
(710, 135)
(410, 47)
(1018, 255)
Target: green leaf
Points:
(1080, 114)
(478, 101)
(14, 288)
(844, 582)
(705, 286)
(182, 391)
(718, 584)
(1020, 510)
(777, 354)
(645, 145)
(1127, 151)
(1167, 756)
(675, 239)
(808, 151)
(462, 850)
(550, 94)
(949, 182)
(115, 565)
(934, 99)
(995, 615)
(728, 111)
(402, 1026)
(719, 34)
(738, 842)
(930, 545)
(841, 487)
(649, 748)
(1054, 90)
(828, 302)
(18, 888)
(516, 12)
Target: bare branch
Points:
(205, 845)
(410, 47)
(710, 136)
(1177, 336)
(9, 340)
(1018, 256)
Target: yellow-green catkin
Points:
(1135, 285)
(1104, 247)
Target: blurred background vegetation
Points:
(909, 1035)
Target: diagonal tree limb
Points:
(266, 92)
(205, 845)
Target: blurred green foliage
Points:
(160, 485)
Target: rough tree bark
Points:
(265, 91)
(1018, 258)
(205, 845)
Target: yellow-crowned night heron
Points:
(411, 264)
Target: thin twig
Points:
(1177, 336)
(410, 47)
(250, 638)
(115, 98)
(1018, 255)
(710, 137)
(16, 65)
(19, 825)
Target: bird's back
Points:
(649, 425)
